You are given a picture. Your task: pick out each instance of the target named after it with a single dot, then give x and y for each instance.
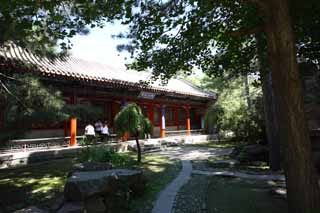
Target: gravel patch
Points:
(192, 197)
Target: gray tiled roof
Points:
(83, 70)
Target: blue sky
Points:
(99, 46)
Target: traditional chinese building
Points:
(176, 106)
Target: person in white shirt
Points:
(105, 132)
(89, 132)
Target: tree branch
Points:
(9, 77)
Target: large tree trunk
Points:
(269, 105)
(302, 186)
(272, 126)
(138, 148)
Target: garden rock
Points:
(251, 153)
(279, 192)
(90, 166)
(57, 204)
(95, 204)
(72, 207)
(224, 163)
(83, 185)
(118, 202)
(31, 209)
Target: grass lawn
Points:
(160, 171)
(229, 195)
(217, 144)
(32, 184)
(42, 183)
(245, 167)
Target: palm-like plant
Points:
(131, 119)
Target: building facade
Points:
(177, 106)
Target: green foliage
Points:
(104, 155)
(40, 26)
(131, 119)
(218, 37)
(88, 140)
(84, 112)
(29, 104)
(231, 113)
(214, 116)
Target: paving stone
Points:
(193, 196)
(166, 199)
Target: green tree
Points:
(27, 103)
(235, 115)
(216, 36)
(41, 26)
(214, 118)
(219, 36)
(131, 120)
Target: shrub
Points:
(105, 155)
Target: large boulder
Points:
(90, 166)
(95, 204)
(72, 207)
(31, 209)
(223, 163)
(81, 186)
(250, 153)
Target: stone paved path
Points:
(166, 199)
(192, 197)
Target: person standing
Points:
(105, 132)
(89, 133)
(98, 127)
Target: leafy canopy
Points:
(28, 104)
(131, 119)
(41, 25)
(217, 37)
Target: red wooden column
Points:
(73, 124)
(188, 127)
(151, 115)
(73, 132)
(162, 122)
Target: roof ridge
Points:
(90, 70)
(196, 86)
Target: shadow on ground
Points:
(230, 195)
